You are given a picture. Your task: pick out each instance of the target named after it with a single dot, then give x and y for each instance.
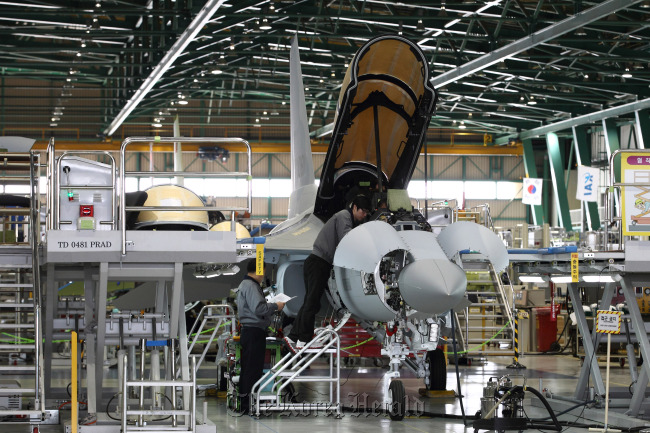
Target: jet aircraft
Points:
(393, 275)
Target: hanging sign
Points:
(588, 181)
(532, 193)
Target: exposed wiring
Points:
(475, 348)
(108, 405)
(118, 419)
(69, 402)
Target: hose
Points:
(539, 395)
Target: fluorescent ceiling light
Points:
(562, 279)
(29, 5)
(531, 279)
(598, 278)
(167, 61)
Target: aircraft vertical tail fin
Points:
(303, 192)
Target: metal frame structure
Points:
(520, 69)
(290, 368)
(156, 256)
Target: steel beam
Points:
(642, 127)
(551, 32)
(557, 176)
(167, 61)
(590, 366)
(641, 336)
(580, 120)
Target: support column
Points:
(178, 153)
(51, 300)
(583, 156)
(100, 302)
(93, 371)
(642, 337)
(591, 363)
(557, 176)
(642, 126)
(531, 171)
(177, 302)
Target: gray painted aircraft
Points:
(393, 275)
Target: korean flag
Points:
(532, 193)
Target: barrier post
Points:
(515, 360)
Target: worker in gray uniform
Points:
(318, 266)
(255, 317)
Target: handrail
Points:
(52, 204)
(209, 309)
(57, 190)
(506, 297)
(299, 361)
(35, 238)
(123, 173)
(205, 314)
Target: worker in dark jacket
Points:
(318, 266)
(255, 316)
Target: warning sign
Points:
(608, 322)
(575, 269)
(259, 259)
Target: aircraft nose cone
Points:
(432, 286)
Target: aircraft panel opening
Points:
(352, 179)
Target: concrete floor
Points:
(557, 373)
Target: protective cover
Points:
(464, 235)
(430, 283)
(362, 248)
(241, 232)
(177, 196)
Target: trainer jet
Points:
(393, 275)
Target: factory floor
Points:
(557, 373)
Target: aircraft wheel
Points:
(398, 395)
(437, 370)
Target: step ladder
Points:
(147, 416)
(212, 320)
(21, 345)
(267, 393)
(488, 320)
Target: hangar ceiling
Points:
(76, 69)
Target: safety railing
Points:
(35, 238)
(290, 368)
(111, 187)
(614, 195)
(51, 201)
(479, 214)
(220, 316)
(180, 174)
